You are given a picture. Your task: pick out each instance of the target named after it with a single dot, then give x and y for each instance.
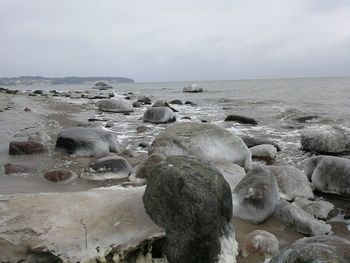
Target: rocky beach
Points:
(240, 171)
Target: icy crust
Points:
(82, 226)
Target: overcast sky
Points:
(163, 40)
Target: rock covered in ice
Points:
(255, 197)
(193, 88)
(318, 208)
(292, 182)
(207, 142)
(315, 249)
(159, 115)
(112, 105)
(192, 201)
(300, 220)
(76, 227)
(329, 174)
(326, 139)
(261, 243)
(116, 165)
(232, 173)
(86, 141)
(264, 152)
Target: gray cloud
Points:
(157, 40)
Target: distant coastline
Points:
(32, 80)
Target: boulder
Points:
(118, 106)
(14, 168)
(192, 202)
(327, 249)
(102, 86)
(232, 173)
(260, 243)
(326, 139)
(26, 148)
(254, 141)
(136, 104)
(159, 115)
(207, 142)
(117, 166)
(193, 88)
(144, 100)
(59, 175)
(161, 103)
(318, 208)
(300, 220)
(109, 124)
(264, 152)
(176, 102)
(190, 103)
(83, 226)
(255, 197)
(86, 141)
(142, 129)
(329, 174)
(292, 182)
(241, 119)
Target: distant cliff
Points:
(30, 80)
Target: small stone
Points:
(59, 175)
(26, 148)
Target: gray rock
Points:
(161, 103)
(192, 201)
(255, 197)
(326, 139)
(329, 174)
(136, 104)
(254, 141)
(176, 102)
(292, 182)
(207, 142)
(193, 88)
(109, 124)
(319, 208)
(327, 249)
(112, 164)
(232, 173)
(86, 141)
(118, 106)
(159, 115)
(144, 100)
(141, 129)
(264, 152)
(241, 119)
(300, 220)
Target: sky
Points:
(182, 40)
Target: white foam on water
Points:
(229, 249)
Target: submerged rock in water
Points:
(255, 197)
(159, 115)
(86, 141)
(264, 152)
(117, 106)
(40, 137)
(327, 249)
(26, 148)
(319, 208)
(75, 227)
(329, 174)
(207, 142)
(13, 168)
(193, 88)
(192, 201)
(254, 141)
(326, 139)
(292, 182)
(176, 102)
(241, 119)
(261, 243)
(59, 175)
(112, 164)
(300, 220)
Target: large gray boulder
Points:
(300, 220)
(318, 249)
(86, 141)
(207, 142)
(329, 174)
(326, 139)
(255, 197)
(159, 115)
(251, 141)
(118, 106)
(192, 202)
(232, 173)
(76, 227)
(292, 182)
(264, 152)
